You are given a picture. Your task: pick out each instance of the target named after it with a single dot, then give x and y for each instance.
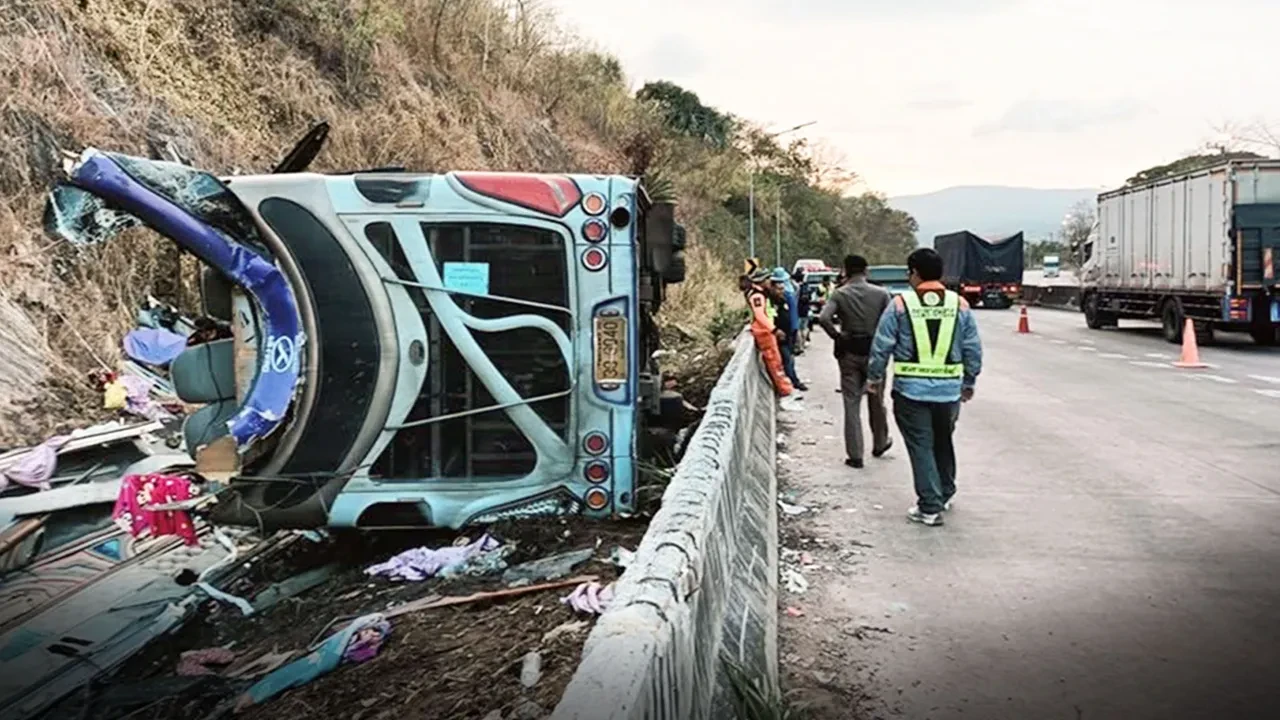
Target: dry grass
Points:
(230, 84)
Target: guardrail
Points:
(703, 584)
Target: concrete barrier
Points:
(1062, 296)
(703, 584)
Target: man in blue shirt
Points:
(788, 321)
(932, 337)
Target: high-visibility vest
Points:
(931, 358)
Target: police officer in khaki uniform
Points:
(857, 306)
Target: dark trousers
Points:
(789, 361)
(926, 429)
(853, 385)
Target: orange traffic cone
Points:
(1023, 326)
(1190, 351)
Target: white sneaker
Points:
(947, 506)
(930, 519)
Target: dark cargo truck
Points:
(985, 272)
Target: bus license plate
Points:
(611, 349)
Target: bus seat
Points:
(205, 373)
(208, 424)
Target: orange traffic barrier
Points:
(1190, 351)
(1024, 326)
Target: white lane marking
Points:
(1056, 341)
(1269, 393)
(1162, 356)
(1266, 379)
(1114, 356)
(1086, 348)
(1090, 342)
(1144, 363)
(1216, 378)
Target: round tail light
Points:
(594, 259)
(594, 230)
(595, 443)
(594, 203)
(597, 499)
(596, 472)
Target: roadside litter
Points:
(476, 558)
(590, 597)
(548, 568)
(789, 509)
(356, 643)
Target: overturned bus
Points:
(407, 349)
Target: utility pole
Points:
(777, 231)
(751, 197)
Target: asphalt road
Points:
(1112, 552)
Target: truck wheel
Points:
(1092, 315)
(1095, 318)
(1172, 321)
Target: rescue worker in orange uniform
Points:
(755, 288)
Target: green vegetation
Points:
(1189, 163)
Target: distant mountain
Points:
(991, 211)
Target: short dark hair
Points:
(927, 263)
(854, 264)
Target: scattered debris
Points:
(590, 597)
(877, 507)
(418, 564)
(569, 628)
(790, 509)
(356, 643)
(784, 457)
(547, 568)
(622, 557)
(794, 612)
(796, 583)
(197, 662)
(292, 587)
(531, 669)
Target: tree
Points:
(1260, 136)
(684, 113)
(1076, 228)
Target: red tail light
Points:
(596, 471)
(594, 259)
(550, 194)
(595, 443)
(594, 230)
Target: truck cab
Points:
(409, 349)
(1051, 266)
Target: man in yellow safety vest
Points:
(932, 338)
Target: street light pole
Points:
(751, 197)
(777, 230)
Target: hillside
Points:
(990, 210)
(432, 85)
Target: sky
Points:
(919, 95)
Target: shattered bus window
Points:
(82, 218)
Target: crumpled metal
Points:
(36, 467)
(590, 597)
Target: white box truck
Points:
(1203, 245)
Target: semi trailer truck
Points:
(985, 272)
(1203, 244)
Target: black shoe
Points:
(855, 464)
(801, 387)
(883, 450)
